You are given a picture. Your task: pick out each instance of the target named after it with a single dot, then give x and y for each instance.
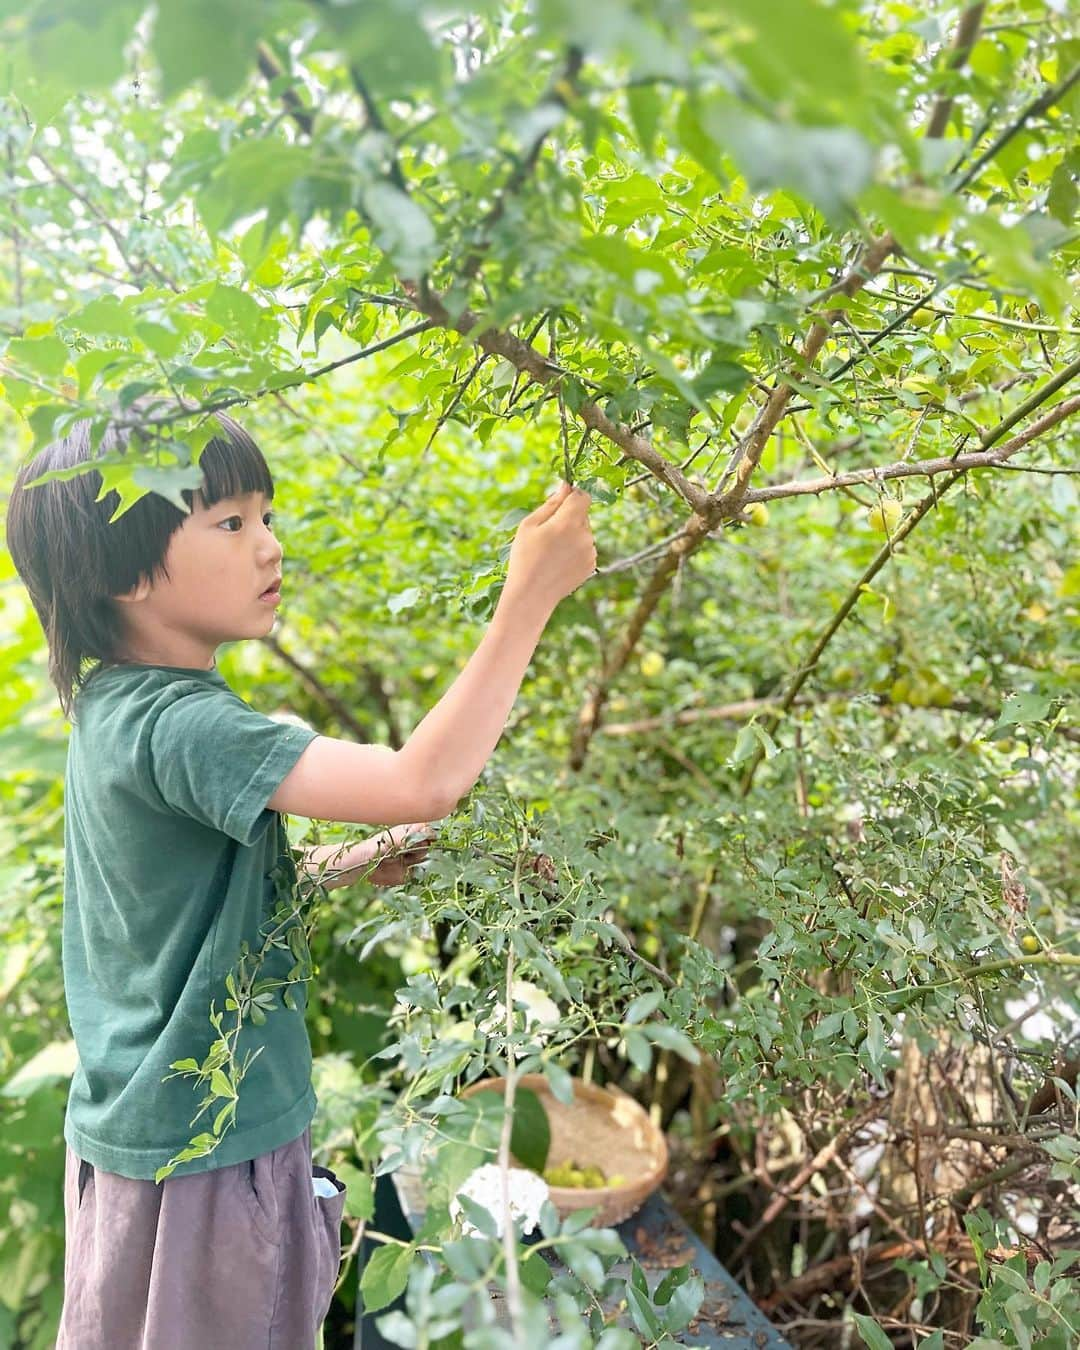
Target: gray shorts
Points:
(243, 1257)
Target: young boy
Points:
(174, 793)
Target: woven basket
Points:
(603, 1127)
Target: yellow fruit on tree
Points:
(1030, 943)
(885, 516)
(652, 663)
(941, 696)
(757, 513)
(416, 957)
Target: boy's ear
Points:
(138, 592)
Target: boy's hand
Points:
(399, 849)
(553, 551)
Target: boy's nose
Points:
(271, 539)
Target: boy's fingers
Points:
(548, 508)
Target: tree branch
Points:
(523, 168)
(747, 456)
(903, 530)
(752, 445)
(1039, 105)
(391, 341)
(966, 32)
(532, 363)
(303, 117)
(137, 265)
(776, 1205)
(924, 468)
(14, 234)
(188, 408)
(325, 696)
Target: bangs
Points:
(232, 465)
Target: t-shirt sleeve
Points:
(217, 760)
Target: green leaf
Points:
(254, 176)
(162, 341)
(53, 1063)
(872, 1334)
(388, 43)
(1023, 708)
(562, 1085)
(643, 1006)
(535, 1274)
(721, 376)
(671, 1038)
(220, 1085)
(792, 49)
(618, 1338)
(696, 141)
(405, 599)
(827, 165)
(645, 105)
(530, 1138)
(1062, 197)
(584, 1262)
(401, 229)
(467, 1257)
(875, 1039)
(766, 742)
(227, 1113)
(745, 744)
(480, 1217)
(42, 355)
(237, 312)
(81, 46)
(638, 1050)
(386, 1275)
(641, 1311)
(103, 317)
(682, 1301)
(359, 1191)
(186, 52)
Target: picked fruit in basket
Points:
(591, 1176)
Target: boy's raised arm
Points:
(552, 554)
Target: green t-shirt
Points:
(169, 850)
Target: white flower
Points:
(541, 1012)
(527, 1193)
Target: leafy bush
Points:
(787, 288)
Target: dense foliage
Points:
(784, 816)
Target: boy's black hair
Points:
(73, 561)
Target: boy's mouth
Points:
(272, 592)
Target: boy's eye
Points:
(268, 521)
